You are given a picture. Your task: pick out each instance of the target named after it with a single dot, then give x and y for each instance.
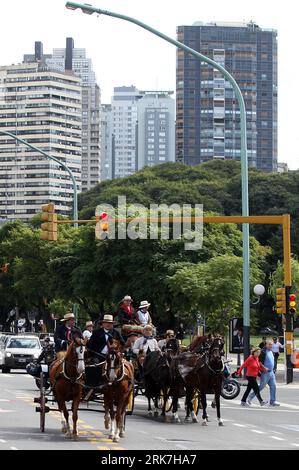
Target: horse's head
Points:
(172, 347)
(79, 347)
(216, 351)
(113, 360)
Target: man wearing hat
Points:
(66, 333)
(163, 342)
(146, 342)
(98, 341)
(87, 333)
(126, 313)
(143, 315)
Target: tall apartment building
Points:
(75, 60)
(44, 108)
(139, 131)
(156, 128)
(208, 116)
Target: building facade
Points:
(74, 60)
(42, 107)
(208, 116)
(139, 130)
(156, 128)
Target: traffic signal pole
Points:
(289, 327)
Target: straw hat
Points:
(68, 316)
(107, 319)
(127, 297)
(88, 323)
(169, 333)
(143, 304)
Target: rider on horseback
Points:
(66, 333)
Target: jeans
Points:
(267, 378)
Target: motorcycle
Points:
(230, 387)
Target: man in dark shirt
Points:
(66, 333)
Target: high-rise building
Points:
(75, 60)
(42, 107)
(156, 128)
(139, 131)
(208, 116)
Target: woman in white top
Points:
(87, 333)
(146, 341)
(143, 315)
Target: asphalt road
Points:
(244, 428)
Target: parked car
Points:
(19, 351)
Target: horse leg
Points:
(165, 399)
(217, 399)
(156, 412)
(65, 424)
(107, 420)
(149, 407)
(204, 408)
(113, 424)
(75, 406)
(188, 405)
(175, 415)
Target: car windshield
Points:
(23, 343)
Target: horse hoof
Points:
(115, 439)
(156, 414)
(150, 413)
(176, 420)
(194, 420)
(121, 434)
(75, 437)
(110, 436)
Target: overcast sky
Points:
(124, 54)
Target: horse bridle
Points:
(209, 354)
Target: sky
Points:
(124, 54)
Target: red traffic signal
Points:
(292, 304)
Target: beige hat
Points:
(148, 327)
(143, 304)
(107, 319)
(68, 316)
(127, 297)
(169, 333)
(88, 323)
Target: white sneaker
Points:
(275, 403)
(243, 403)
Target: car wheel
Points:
(5, 370)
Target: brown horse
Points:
(66, 377)
(119, 375)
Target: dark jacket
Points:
(97, 341)
(47, 354)
(60, 336)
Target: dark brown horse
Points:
(66, 377)
(119, 376)
(202, 372)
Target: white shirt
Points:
(87, 334)
(105, 349)
(143, 317)
(142, 343)
(276, 346)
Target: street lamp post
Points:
(88, 9)
(63, 165)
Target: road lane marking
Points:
(277, 438)
(2, 441)
(7, 411)
(240, 425)
(180, 446)
(295, 445)
(257, 431)
(4, 400)
(14, 448)
(103, 448)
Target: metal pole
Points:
(244, 162)
(36, 149)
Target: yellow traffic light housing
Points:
(281, 301)
(49, 227)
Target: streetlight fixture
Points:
(63, 165)
(88, 9)
(259, 290)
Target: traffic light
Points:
(292, 304)
(281, 301)
(102, 226)
(49, 227)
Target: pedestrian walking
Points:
(277, 346)
(263, 343)
(268, 376)
(254, 367)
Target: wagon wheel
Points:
(42, 403)
(196, 402)
(131, 402)
(161, 402)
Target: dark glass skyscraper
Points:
(208, 116)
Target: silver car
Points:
(19, 351)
